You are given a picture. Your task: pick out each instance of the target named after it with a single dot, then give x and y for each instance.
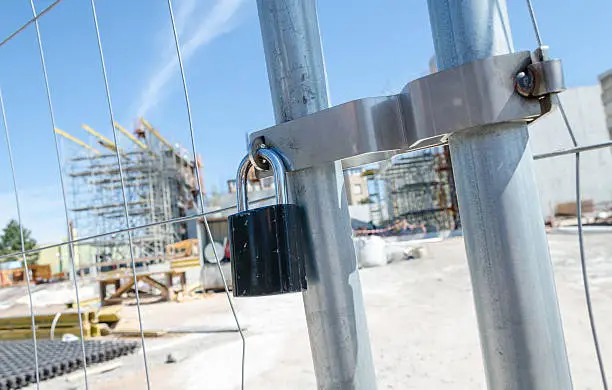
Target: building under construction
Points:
(160, 184)
(417, 187)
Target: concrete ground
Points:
(420, 317)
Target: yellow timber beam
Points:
(107, 143)
(130, 136)
(155, 133)
(76, 141)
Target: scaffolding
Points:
(417, 187)
(160, 184)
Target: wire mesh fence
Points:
(117, 203)
(135, 200)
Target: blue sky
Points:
(371, 48)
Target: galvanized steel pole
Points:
(514, 291)
(333, 302)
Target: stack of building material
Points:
(55, 358)
(184, 263)
(95, 323)
(19, 328)
(108, 317)
(181, 249)
(570, 209)
(16, 276)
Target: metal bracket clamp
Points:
(544, 76)
(479, 93)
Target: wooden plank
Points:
(41, 271)
(154, 283)
(112, 276)
(136, 333)
(166, 289)
(125, 273)
(109, 314)
(183, 248)
(96, 330)
(45, 320)
(123, 289)
(25, 334)
(101, 329)
(102, 290)
(569, 209)
(84, 303)
(166, 292)
(112, 302)
(185, 263)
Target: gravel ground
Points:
(420, 317)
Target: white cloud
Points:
(216, 22)
(185, 9)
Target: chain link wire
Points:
(29, 22)
(129, 229)
(126, 213)
(58, 157)
(21, 236)
(583, 263)
(133, 228)
(200, 191)
(576, 150)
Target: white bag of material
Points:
(209, 252)
(358, 243)
(371, 251)
(211, 279)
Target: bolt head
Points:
(524, 83)
(259, 163)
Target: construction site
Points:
(159, 182)
(455, 233)
(408, 245)
(175, 269)
(417, 188)
(193, 339)
(409, 234)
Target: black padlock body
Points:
(268, 250)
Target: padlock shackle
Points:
(241, 184)
(280, 180)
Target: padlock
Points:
(268, 245)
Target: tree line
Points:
(10, 242)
